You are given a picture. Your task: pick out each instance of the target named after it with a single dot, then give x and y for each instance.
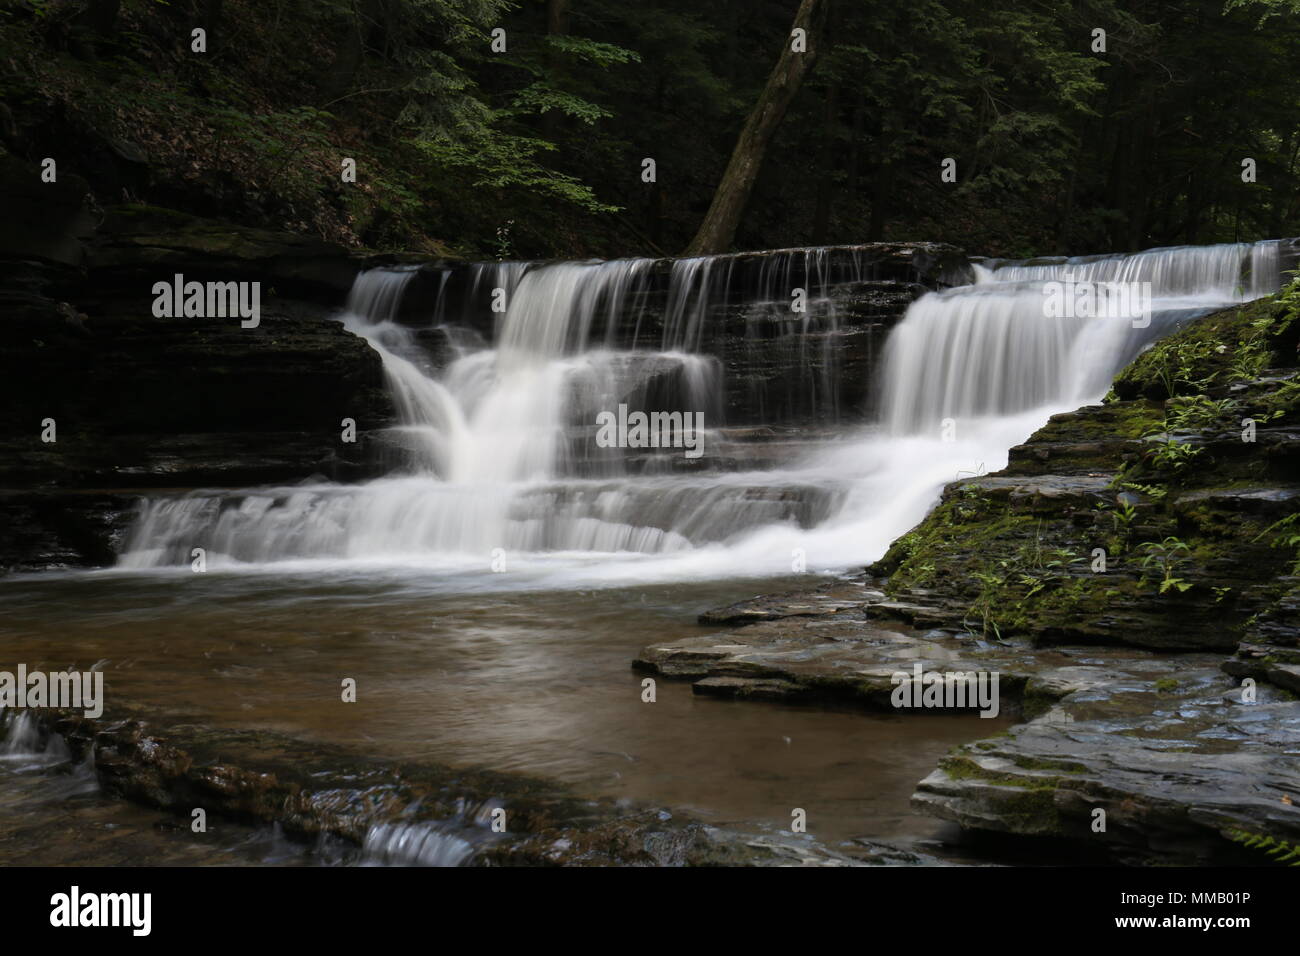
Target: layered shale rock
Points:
(1101, 575)
(132, 400)
(1175, 766)
(1166, 744)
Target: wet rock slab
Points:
(824, 601)
(1162, 742)
(844, 656)
(1174, 772)
(1271, 649)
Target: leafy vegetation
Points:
(1280, 851)
(1059, 145)
(1286, 535)
(1166, 558)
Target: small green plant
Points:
(1196, 412)
(970, 502)
(1282, 852)
(1165, 559)
(991, 584)
(1177, 365)
(1173, 455)
(1151, 491)
(1282, 400)
(504, 243)
(1122, 518)
(922, 574)
(1286, 534)
(1251, 356)
(1289, 300)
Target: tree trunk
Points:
(729, 201)
(337, 78)
(557, 24)
(557, 17)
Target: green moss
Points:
(1230, 346)
(961, 767)
(950, 541)
(1037, 763)
(1030, 804)
(1114, 421)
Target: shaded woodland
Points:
(533, 141)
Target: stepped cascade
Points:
(828, 429)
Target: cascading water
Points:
(501, 438)
(24, 746)
(993, 350)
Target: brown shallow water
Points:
(532, 681)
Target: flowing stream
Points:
(489, 591)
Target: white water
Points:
(397, 844)
(988, 350)
(23, 745)
(504, 468)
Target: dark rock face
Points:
(1270, 650)
(53, 529)
(139, 401)
(102, 365)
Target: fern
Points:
(1282, 852)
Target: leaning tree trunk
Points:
(723, 217)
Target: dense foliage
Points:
(538, 149)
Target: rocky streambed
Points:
(1130, 576)
(1164, 743)
(339, 807)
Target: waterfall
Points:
(1225, 272)
(992, 350)
(24, 745)
(504, 458)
